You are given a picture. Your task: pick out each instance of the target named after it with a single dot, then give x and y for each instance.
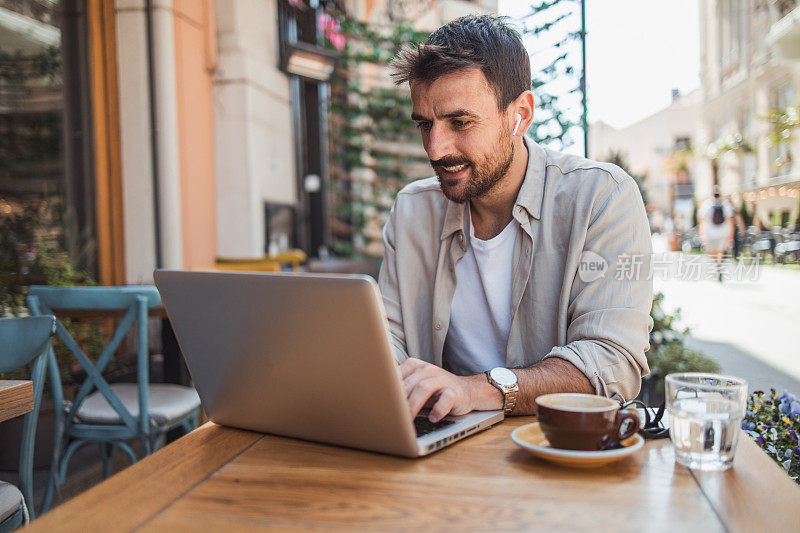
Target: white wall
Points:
(137, 157)
(646, 144)
(136, 142)
(255, 155)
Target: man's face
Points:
(467, 138)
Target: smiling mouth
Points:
(454, 171)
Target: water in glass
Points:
(706, 411)
(704, 432)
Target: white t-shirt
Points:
(480, 314)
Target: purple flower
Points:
(761, 440)
(784, 407)
(749, 426)
(792, 434)
(797, 449)
(786, 396)
(787, 454)
(795, 408)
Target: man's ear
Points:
(523, 106)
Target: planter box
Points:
(11, 439)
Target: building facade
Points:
(659, 149)
(750, 68)
(170, 133)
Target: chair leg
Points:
(128, 450)
(191, 423)
(53, 480)
(106, 452)
(158, 441)
(62, 471)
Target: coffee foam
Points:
(577, 402)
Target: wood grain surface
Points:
(754, 495)
(16, 398)
(126, 500)
(223, 479)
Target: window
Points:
(279, 228)
(46, 168)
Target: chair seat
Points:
(10, 500)
(166, 403)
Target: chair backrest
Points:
(26, 340)
(23, 339)
(134, 301)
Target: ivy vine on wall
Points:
(375, 148)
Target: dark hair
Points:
(486, 42)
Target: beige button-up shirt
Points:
(581, 285)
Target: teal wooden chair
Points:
(109, 414)
(24, 340)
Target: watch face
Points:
(503, 376)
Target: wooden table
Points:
(218, 478)
(16, 398)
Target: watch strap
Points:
(509, 394)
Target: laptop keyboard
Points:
(425, 426)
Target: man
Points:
(716, 228)
(510, 258)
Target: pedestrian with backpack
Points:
(716, 228)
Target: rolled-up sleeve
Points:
(609, 317)
(388, 284)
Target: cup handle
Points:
(624, 415)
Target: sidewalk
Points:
(737, 362)
(750, 326)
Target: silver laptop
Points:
(301, 355)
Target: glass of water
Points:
(706, 412)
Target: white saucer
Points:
(531, 438)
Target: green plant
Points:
(667, 352)
(558, 86)
(773, 421)
(675, 357)
(783, 123)
(375, 148)
(731, 143)
(33, 251)
(616, 158)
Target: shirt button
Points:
(460, 237)
(438, 326)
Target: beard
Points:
(483, 177)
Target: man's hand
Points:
(427, 384)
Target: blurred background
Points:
(266, 134)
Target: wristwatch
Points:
(505, 380)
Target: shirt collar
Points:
(529, 198)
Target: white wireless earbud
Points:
(519, 119)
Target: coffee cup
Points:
(583, 421)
